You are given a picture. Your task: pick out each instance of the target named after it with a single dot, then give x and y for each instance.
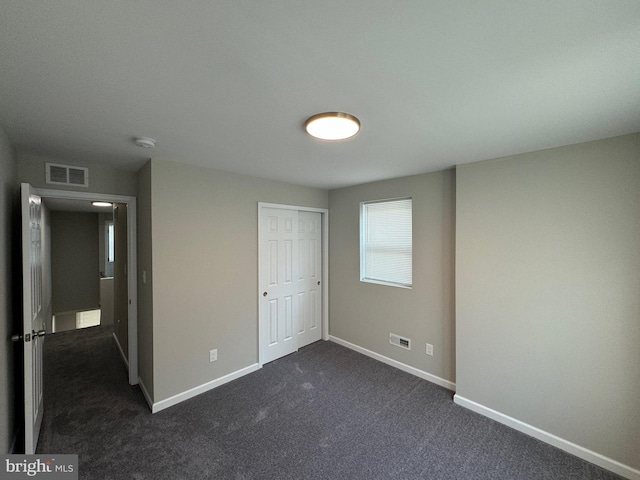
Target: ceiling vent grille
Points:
(398, 341)
(67, 175)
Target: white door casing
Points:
(293, 303)
(132, 265)
(33, 320)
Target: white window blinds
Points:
(386, 242)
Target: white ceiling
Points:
(228, 83)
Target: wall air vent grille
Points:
(67, 175)
(399, 341)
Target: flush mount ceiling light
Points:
(144, 142)
(102, 204)
(332, 126)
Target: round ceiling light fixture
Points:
(102, 204)
(332, 126)
(144, 142)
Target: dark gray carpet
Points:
(325, 412)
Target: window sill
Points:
(387, 284)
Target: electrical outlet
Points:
(429, 349)
(213, 355)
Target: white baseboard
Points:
(394, 363)
(562, 444)
(124, 357)
(181, 397)
(145, 392)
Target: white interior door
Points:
(309, 284)
(278, 301)
(33, 322)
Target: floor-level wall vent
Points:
(399, 341)
(57, 174)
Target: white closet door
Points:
(309, 280)
(278, 301)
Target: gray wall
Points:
(106, 301)
(548, 291)
(364, 313)
(145, 278)
(9, 288)
(205, 270)
(75, 269)
(103, 218)
(102, 179)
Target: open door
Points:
(130, 271)
(33, 328)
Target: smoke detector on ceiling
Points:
(144, 142)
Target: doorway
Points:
(76, 248)
(293, 287)
(128, 335)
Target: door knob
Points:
(16, 338)
(318, 282)
(264, 294)
(40, 333)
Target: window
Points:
(109, 248)
(111, 255)
(386, 242)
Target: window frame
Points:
(363, 229)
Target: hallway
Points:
(85, 387)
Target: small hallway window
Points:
(110, 249)
(386, 246)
